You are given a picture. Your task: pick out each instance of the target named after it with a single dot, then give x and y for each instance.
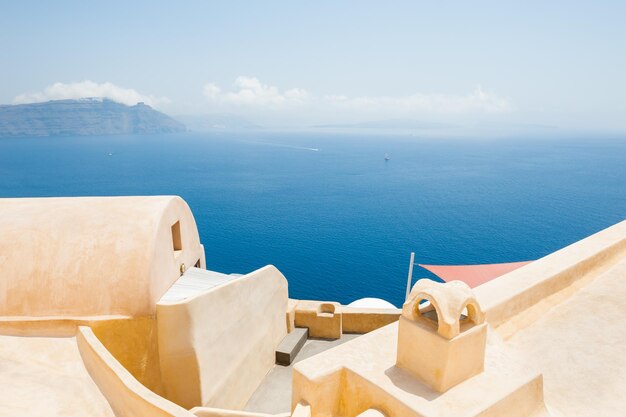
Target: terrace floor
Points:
(45, 376)
(273, 396)
(579, 346)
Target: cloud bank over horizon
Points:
(248, 95)
(268, 104)
(478, 100)
(87, 88)
(250, 91)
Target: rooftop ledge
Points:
(520, 290)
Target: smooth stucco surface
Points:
(580, 347)
(133, 342)
(362, 374)
(519, 291)
(42, 376)
(216, 348)
(124, 393)
(90, 256)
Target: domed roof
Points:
(371, 303)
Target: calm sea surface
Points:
(330, 213)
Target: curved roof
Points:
(371, 303)
(91, 256)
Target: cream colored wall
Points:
(521, 290)
(322, 318)
(345, 319)
(217, 347)
(124, 393)
(365, 320)
(361, 374)
(133, 343)
(341, 392)
(90, 256)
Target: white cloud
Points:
(84, 89)
(211, 91)
(250, 91)
(476, 101)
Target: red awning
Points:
(473, 275)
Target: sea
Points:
(336, 218)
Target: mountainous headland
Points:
(83, 117)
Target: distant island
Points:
(217, 122)
(388, 124)
(83, 117)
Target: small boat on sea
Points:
(387, 157)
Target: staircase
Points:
(195, 281)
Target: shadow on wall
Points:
(215, 348)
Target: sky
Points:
(557, 63)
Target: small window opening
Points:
(430, 314)
(176, 240)
(427, 312)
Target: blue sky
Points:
(298, 63)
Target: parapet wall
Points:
(522, 289)
(216, 348)
(364, 320)
(124, 393)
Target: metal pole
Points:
(410, 278)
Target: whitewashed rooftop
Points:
(195, 281)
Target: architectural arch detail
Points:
(449, 301)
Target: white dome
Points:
(371, 303)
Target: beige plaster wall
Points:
(124, 393)
(133, 343)
(355, 320)
(90, 256)
(344, 393)
(216, 347)
(365, 320)
(322, 318)
(522, 289)
(362, 374)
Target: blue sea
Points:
(336, 218)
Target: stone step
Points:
(290, 346)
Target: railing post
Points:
(410, 277)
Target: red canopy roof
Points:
(473, 275)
